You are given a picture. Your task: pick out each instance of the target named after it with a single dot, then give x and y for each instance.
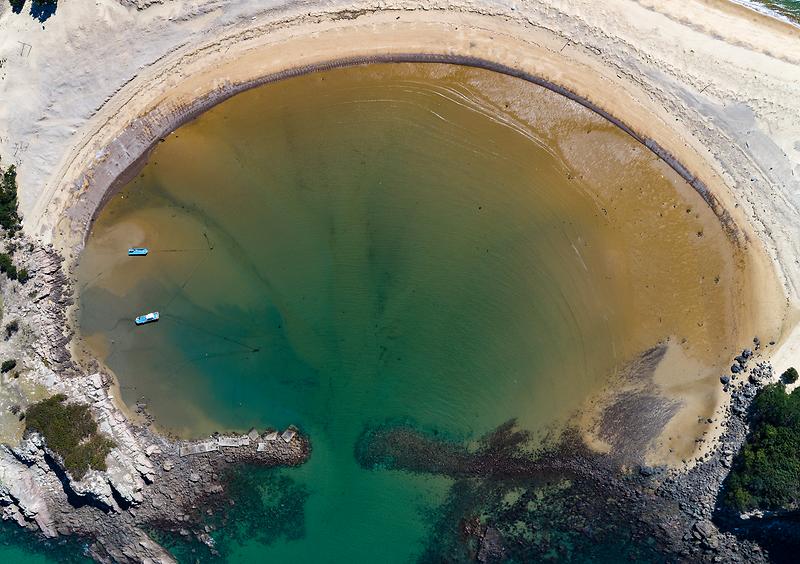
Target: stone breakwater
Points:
(147, 480)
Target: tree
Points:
(766, 473)
(790, 376)
(7, 266)
(9, 217)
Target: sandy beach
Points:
(709, 85)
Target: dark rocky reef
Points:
(511, 501)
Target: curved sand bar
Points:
(710, 86)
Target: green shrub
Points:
(9, 218)
(7, 266)
(766, 473)
(11, 328)
(69, 431)
(790, 376)
(8, 365)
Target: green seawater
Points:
(389, 243)
(18, 546)
(787, 8)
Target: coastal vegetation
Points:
(69, 431)
(9, 216)
(11, 328)
(766, 473)
(11, 222)
(789, 376)
(8, 268)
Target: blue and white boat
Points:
(147, 318)
(137, 252)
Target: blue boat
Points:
(147, 318)
(137, 252)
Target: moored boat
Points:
(147, 318)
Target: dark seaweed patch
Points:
(260, 505)
(511, 503)
(69, 549)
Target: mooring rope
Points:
(182, 321)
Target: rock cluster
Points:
(51, 296)
(697, 490)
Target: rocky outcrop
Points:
(50, 295)
(128, 466)
(697, 491)
(25, 482)
(140, 4)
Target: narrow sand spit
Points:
(708, 84)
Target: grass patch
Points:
(766, 473)
(71, 432)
